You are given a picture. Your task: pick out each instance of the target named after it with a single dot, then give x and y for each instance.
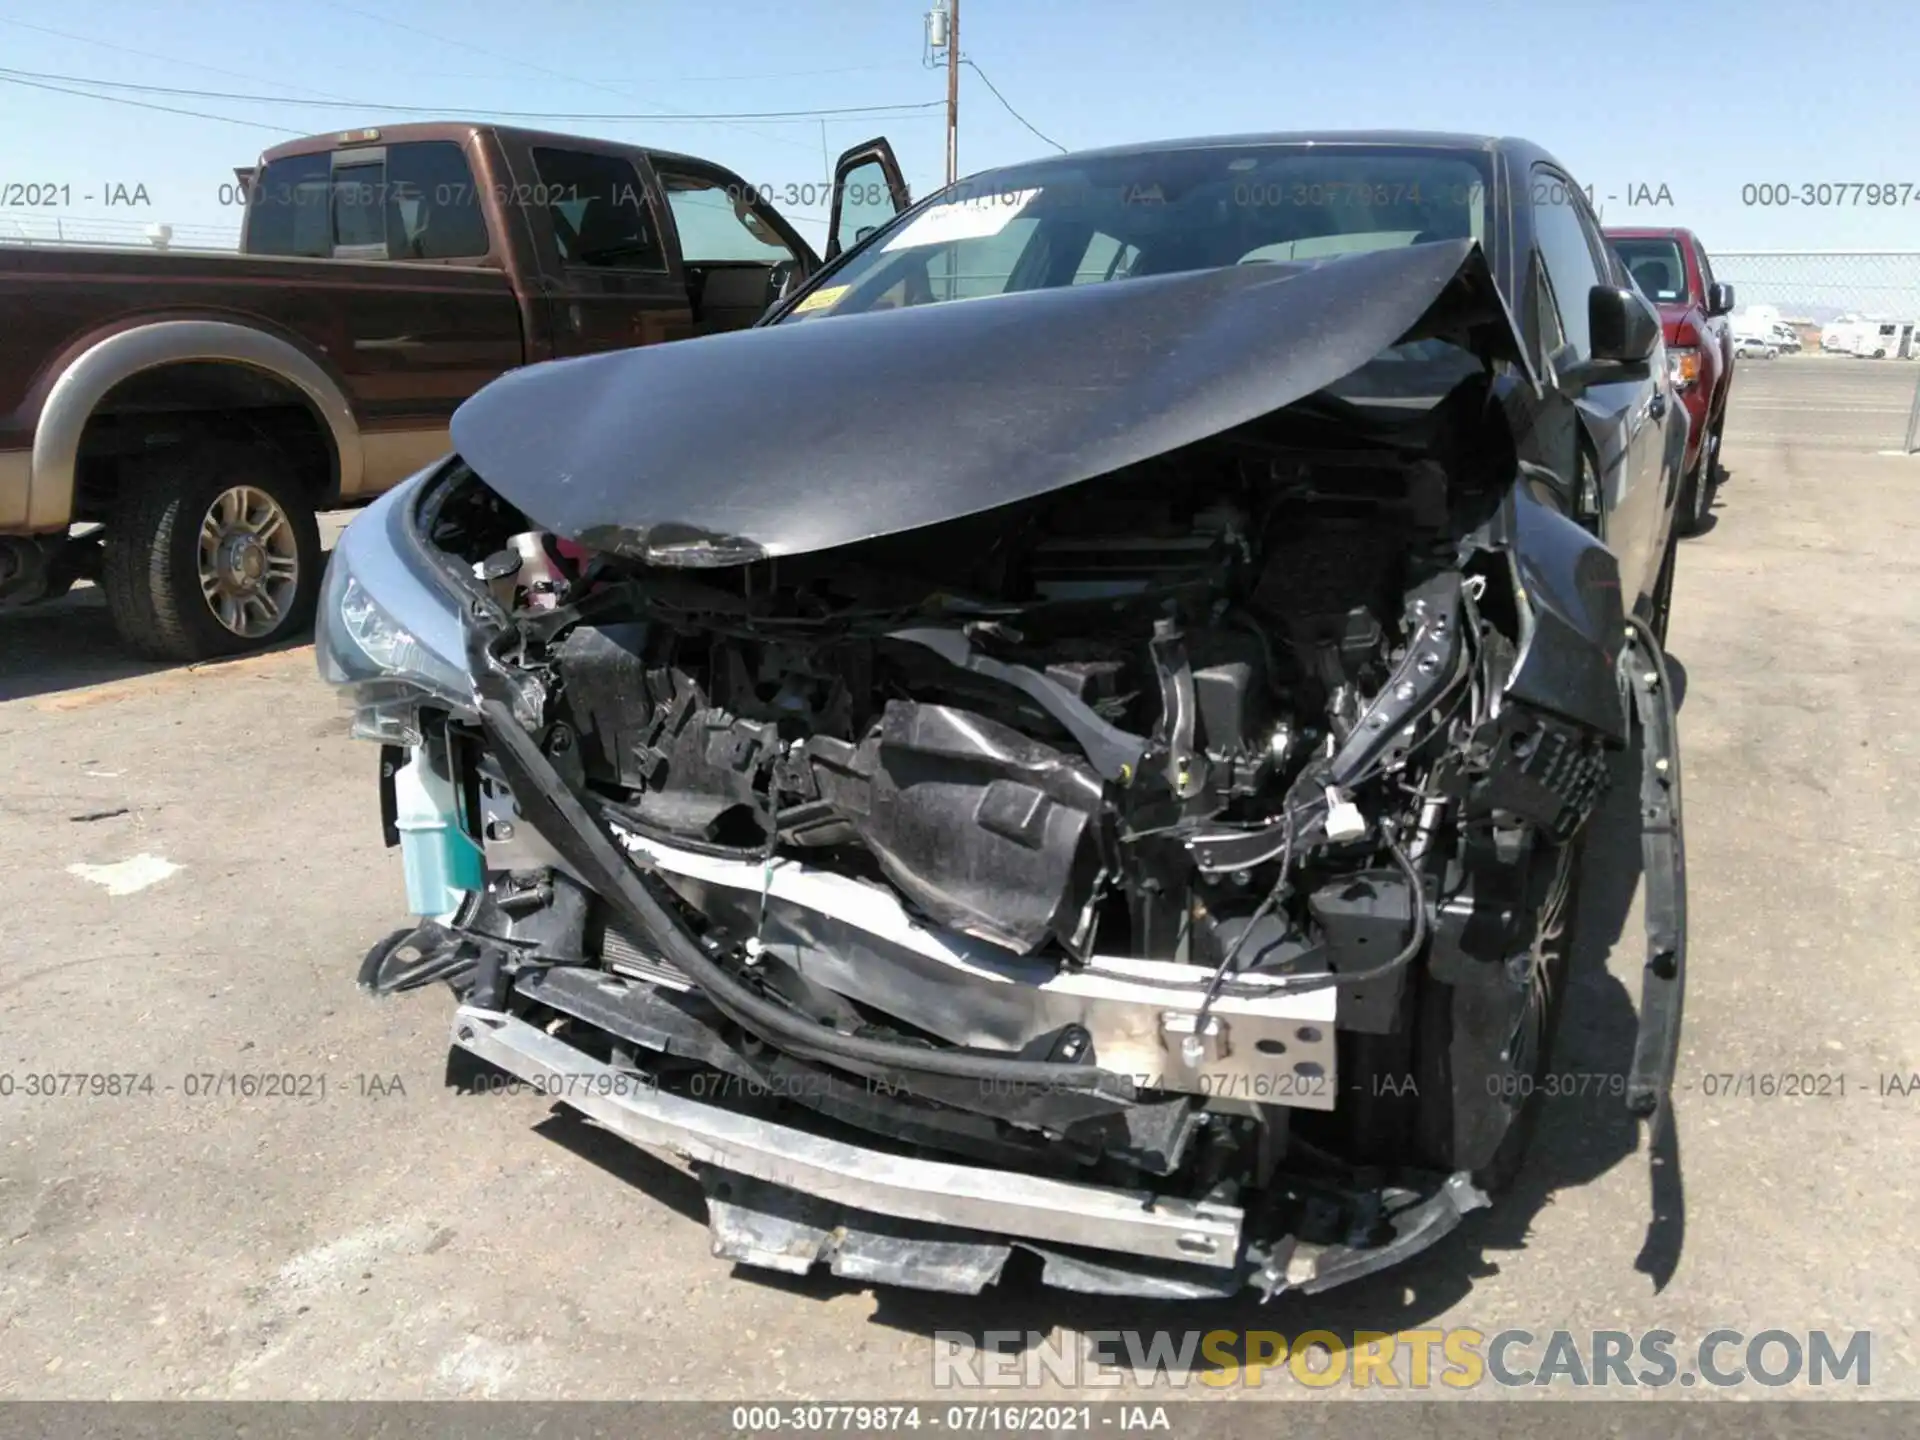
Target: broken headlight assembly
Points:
(389, 633)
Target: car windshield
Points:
(1093, 219)
(1656, 266)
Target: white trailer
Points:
(1883, 339)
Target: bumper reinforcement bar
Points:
(998, 1202)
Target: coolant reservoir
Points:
(442, 862)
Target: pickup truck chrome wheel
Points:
(210, 549)
(249, 561)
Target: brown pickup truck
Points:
(188, 413)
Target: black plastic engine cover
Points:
(982, 828)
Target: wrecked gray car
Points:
(1074, 735)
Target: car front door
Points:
(1624, 410)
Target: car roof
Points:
(1443, 140)
(1647, 232)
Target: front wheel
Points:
(211, 551)
(1483, 1045)
(1530, 1050)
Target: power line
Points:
(380, 19)
(665, 79)
(9, 78)
(964, 60)
(149, 55)
(822, 113)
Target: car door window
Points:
(717, 226)
(866, 203)
(1569, 252)
(598, 208)
(1543, 317)
(1105, 258)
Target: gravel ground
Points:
(391, 1239)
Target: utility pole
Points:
(953, 94)
(943, 33)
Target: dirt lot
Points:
(391, 1239)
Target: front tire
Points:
(211, 551)
(1539, 1024)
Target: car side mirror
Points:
(1624, 327)
(1719, 299)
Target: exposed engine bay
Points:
(1208, 830)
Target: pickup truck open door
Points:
(868, 191)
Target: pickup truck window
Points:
(433, 207)
(714, 227)
(406, 202)
(599, 210)
(288, 213)
(359, 208)
(1657, 267)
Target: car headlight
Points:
(1683, 366)
(389, 636)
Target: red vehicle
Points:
(1672, 270)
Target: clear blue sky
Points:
(1701, 96)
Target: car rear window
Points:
(1657, 267)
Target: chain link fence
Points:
(1814, 289)
(1839, 303)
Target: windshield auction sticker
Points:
(821, 299)
(975, 219)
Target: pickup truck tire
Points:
(1696, 495)
(212, 551)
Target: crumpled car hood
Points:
(791, 438)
